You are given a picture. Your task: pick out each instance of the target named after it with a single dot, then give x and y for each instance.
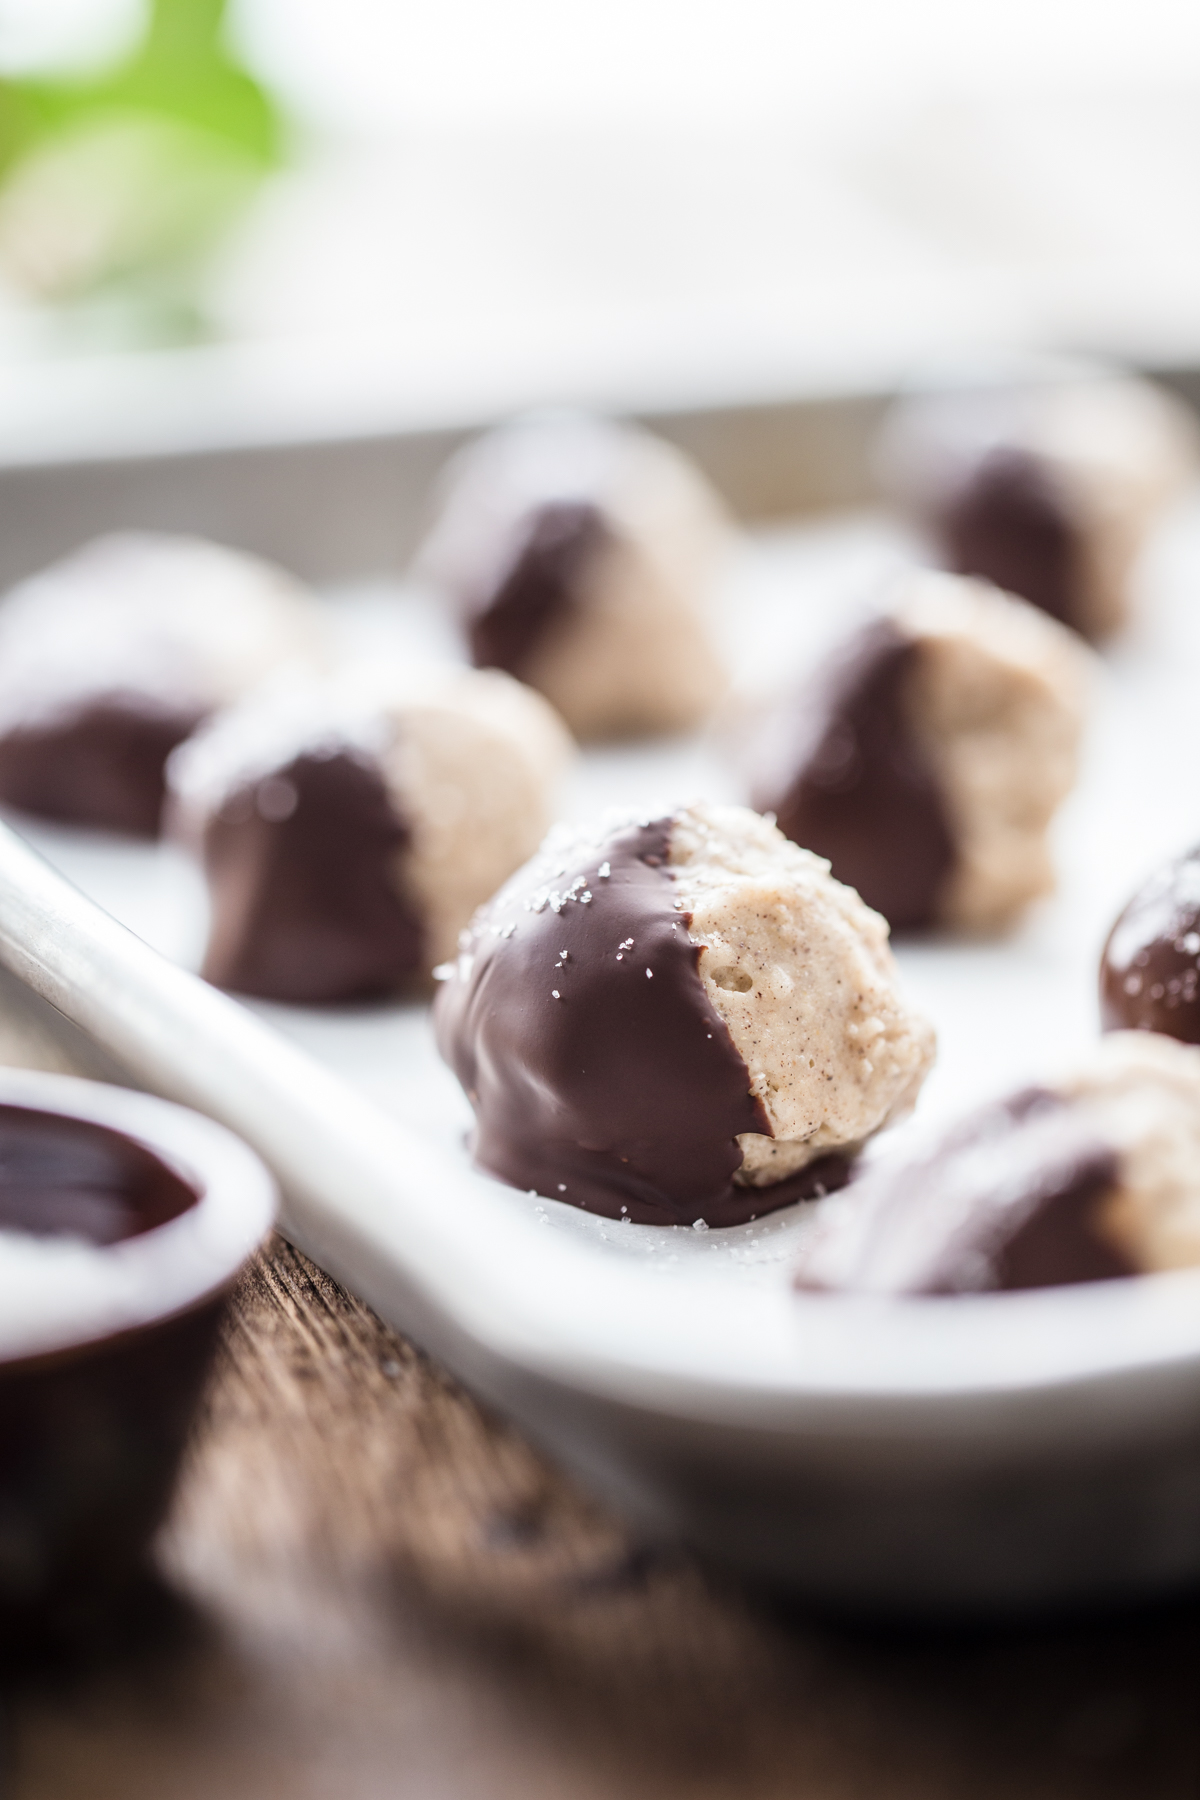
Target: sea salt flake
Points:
(445, 971)
(604, 871)
(700, 1225)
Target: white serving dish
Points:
(993, 1453)
(65, 1294)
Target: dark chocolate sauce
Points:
(593, 1081)
(1009, 523)
(102, 766)
(1011, 1198)
(846, 777)
(302, 871)
(538, 586)
(63, 1176)
(1150, 970)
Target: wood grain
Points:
(382, 1591)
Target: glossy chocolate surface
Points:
(599, 1070)
(845, 776)
(64, 1175)
(303, 878)
(1011, 1198)
(102, 766)
(1009, 523)
(538, 586)
(1150, 970)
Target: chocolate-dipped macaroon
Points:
(1150, 969)
(1049, 490)
(678, 1018)
(114, 655)
(926, 756)
(349, 828)
(1093, 1176)
(579, 555)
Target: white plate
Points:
(994, 1452)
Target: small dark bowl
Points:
(123, 1223)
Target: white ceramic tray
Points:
(939, 1455)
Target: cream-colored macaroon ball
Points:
(191, 621)
(350, 827)
(927, 755)
(678, 1018)
(580, 555)
(1091, 1175)
(116, 653)
(1049, 488)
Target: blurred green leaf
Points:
(125, 181)
(181, 70)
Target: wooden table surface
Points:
(371, 1588)
(382, 1591)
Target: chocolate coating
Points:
(302, 870)
(539, 586)
(1150, 969)
(102, 766)
(63, 1175)
(1009, 1199)
(846, 777)
(1009, 523)
(624, 1094)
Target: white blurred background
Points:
(659, 200)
